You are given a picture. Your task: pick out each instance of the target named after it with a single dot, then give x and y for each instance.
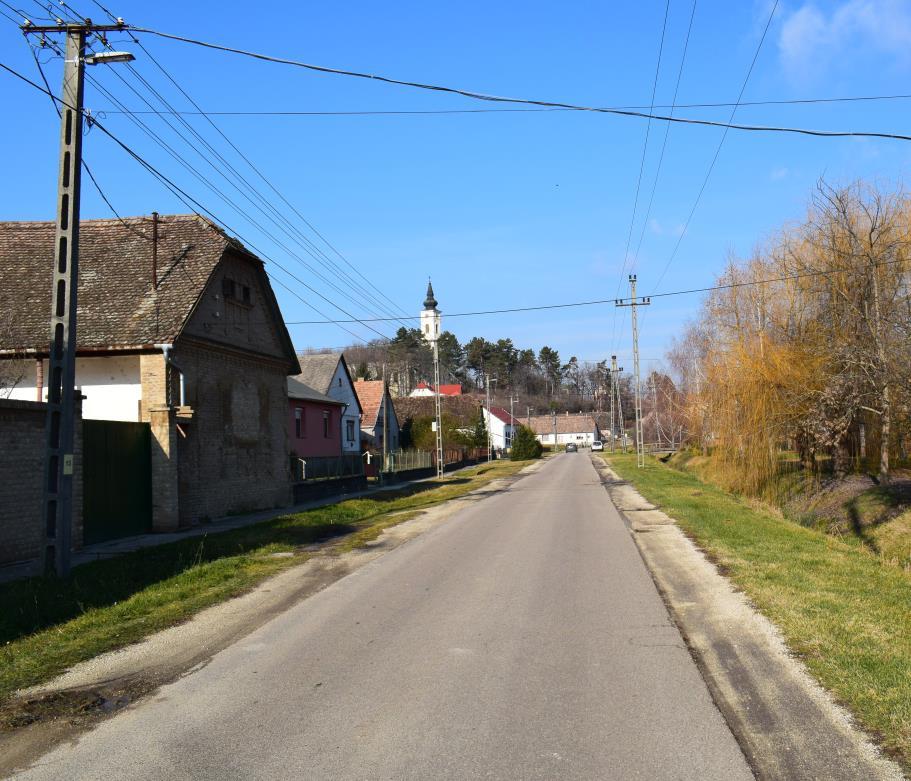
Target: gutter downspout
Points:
(166, 350)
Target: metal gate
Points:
(117, 480)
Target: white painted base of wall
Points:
(111, 386)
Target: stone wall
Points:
(233, 452)
(22, 452)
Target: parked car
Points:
(571, 448)
(597, 445)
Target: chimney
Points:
(154, 250)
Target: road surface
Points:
(520, 639)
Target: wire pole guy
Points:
(61, 375)
(634, 302)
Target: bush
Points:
(524, 445)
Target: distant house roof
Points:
(318, 369)
(566, 424)
(301, 392)
(503, 415)
(370, 396)
(119, 308)
(423, 388)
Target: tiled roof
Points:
(370, 396)
(566, 424)
(298, 391)
(116, 305)
(504, 416)
(317, 369)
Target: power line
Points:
(721, 141)
(187, 199)
(308, 246)
(667, 130)
(525, 101)
(595, 302)
(262, 176)
(648, 127)
(406, 112)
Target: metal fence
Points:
(406, 460)
(327, 467)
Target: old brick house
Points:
(178, 330)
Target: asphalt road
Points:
(521, 639)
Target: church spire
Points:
(430, 302)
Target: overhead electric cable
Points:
(188, 199)
(667, 130)
(648, 127)
(721, 141)
(596, 302)
(379, 112)
(335, 268)
(526, 101)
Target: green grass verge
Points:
(844, 613)
(49, 624)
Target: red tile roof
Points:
(501, 414)
(370, 395)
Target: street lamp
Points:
(104, 58)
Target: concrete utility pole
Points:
(529, 410)
(634, 303)
(553, 414)
(512, 428)
(489, 440)
(430, 330)
(61, 375)
(385, 426)
(438, 406)
(614, 395)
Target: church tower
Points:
(430, 317)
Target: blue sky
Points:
(501, 209)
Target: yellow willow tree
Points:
(809, 339)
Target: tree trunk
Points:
(884, 437)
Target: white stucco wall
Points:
(340, 389)
(110, 384)
(498, 430)
(580, 438)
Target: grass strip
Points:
(844, 613)
(48, 624)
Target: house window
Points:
(349, 430)
(340, 382)
(229, 288)
(248, 299)
(298, 422)
(326, 424)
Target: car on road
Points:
(571, 448)
(597, 445)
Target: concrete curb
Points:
(788, 726)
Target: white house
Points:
(580, 429)
(328, 373)
(501, 425)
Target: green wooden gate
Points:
(117, 480)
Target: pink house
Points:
(314, 421)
